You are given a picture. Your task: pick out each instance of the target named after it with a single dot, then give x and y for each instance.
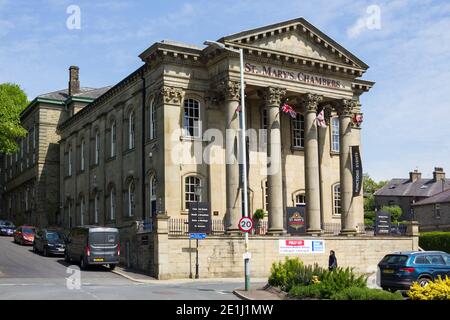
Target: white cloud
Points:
(355, 30)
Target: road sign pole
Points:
(196, 262)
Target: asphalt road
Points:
(29, 276)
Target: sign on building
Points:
(296, 220)
(357, 171)
(200, 218)
(383, 223)
(296, 246)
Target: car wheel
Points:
(83, 264)
(112, 267)
(45, 252)
(423, 282)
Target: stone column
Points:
(312, 183)
(231, 90)
(348, 221)
(272, 97)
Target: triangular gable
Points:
(296, 37)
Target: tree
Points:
(370, 187)
(395, 212)
(13, 101)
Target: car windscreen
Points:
(103, 238)
(54, 236)
(28, 230)
(395, 259)
(8, 224)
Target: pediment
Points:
(298, 38)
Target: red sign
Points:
(246, 224)
(297, 243)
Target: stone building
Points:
(30, 177)
(404, 192)
(433, 213)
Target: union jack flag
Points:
(290, 110)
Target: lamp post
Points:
(198, 194)
(243, 149)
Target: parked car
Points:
(399, 270)
(92, 245)
(49, 242)
(7, 228)
(24, 235)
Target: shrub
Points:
(395, 212)
(294, 272)
(435, 241)
(259, 214)
(301, 292)
(357, 293)
(338, 280)
(435, 290)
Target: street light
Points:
(243, 148)
(198, 194)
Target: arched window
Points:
(337, 199)
(112, 204)
(113, 139)
(96, 207)
(131, 199)
(298, 131)
(191, 122)
(335, 134)
(152, 119)
(97, 148)
(69, 164)
(190, 194)
(82, 209)
(152, 194)
(300, 200)
(131, 130)
(82, 152)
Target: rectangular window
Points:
(337, 199)
(264, 126)
(69, 164)
(113, 140)
(97, 148)
(437, 211)
(152, 120)
(298, 131)
(82, 156)
(191, 122)
(335, 134)
(190, 195)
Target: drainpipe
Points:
(144, 97)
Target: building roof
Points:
(441, 197)
(418, 188)
(63, 95)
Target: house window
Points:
(300, 200)
(82, 208)
(26, 199)
(131, 130)
(152, 120)
(337, 199)
(152, 193)
(189, 190)
(131, 199)
(298, 131)
(69, 214)
(83, 146)
(112, 204)
(192, 118)
(69, 165)
(437, 211)
(264, 126)
(335, 134)
(113, 139)
(96, 208)
(97, 148)
(266, 195)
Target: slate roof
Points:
(63, 95)
(418, 188)
(441, 197)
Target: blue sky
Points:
(406, 114)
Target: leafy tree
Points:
(395, 212)
(13, 101)
(370, 187)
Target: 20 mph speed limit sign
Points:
(246, 224)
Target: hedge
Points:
(438, 241)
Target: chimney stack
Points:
(414, 176)
(74, 80)
(438, 174)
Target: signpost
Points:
(199, 224)
(383, 223)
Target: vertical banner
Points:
(296, 221)
(357, 171)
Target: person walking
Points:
(332, 261)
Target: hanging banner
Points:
(296, 221)
(296, 246)
(357, 171)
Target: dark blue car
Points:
(7, 228)
(400, 269)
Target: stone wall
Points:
(426, 216)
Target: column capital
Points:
(230, 89)
(311, 102)
(171, 95)
(346, 108)
(273, 95)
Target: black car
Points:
(93, 245)
(49, 242)
(7, 228)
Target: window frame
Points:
(131, 130)
(190, 193)
(188, 118)
(335, 143)
(113, 136)
(298, 128)
(131, 199)
(97, 148)
(337, 200)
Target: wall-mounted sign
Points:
(272, 72)
(383, 223)
(199, 218)
(296, 220)
(357, 171)
(296, 246)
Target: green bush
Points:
(259, 214)
(357, 293)
(338, 280)
(439, 241)
(293, 272)
(302, 292)
(395, 212)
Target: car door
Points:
(438, 266)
